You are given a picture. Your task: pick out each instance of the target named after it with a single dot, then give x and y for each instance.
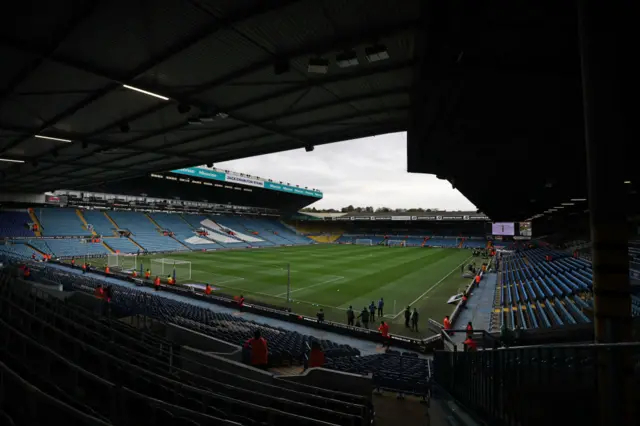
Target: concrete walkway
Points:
(479, 307)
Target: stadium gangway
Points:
(562, 286)
(509, 298)
(502, 293)
(564, 313)
(553, 312)
(532, 316)
(544, 318)
(523, 323)
(575, 311)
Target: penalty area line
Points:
(433, 286)
(330, 280)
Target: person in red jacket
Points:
(156, 283)
(259, 350)
(470, 345)
(26, 272)
(207, 289)
(99, 292)
(316, 356)
(241, 301)
(478, 280)
(447, 324)
(384, 332)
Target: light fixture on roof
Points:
(53, 139)
(347, 59)
(578, 199)
(9, 160)
(627, 182)
(376, 53)
(568, 204)
(318, 66)
(559, 207)
(146, 92)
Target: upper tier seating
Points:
(15, 224)
(101, 225)
(102, 364)
(60, 222)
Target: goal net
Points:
(398, 243)
(165, 267)
(122, 262)
(364, 242)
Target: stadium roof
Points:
(495, 103)
(233, 73)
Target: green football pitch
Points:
(334, 277)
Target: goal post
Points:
(122, 262)
(396, 243)
(364, 241)
(164, 267)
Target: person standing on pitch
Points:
(380, 308)
(372, 311)
(414, 320)
(407, 316)
(365, 317)
(350, 315)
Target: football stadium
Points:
(144, 283)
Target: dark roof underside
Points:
(65, 63)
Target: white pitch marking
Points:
(434, 286)
(330, 280)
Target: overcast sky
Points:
(361, 172)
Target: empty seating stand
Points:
(60, 222)
(15, 224)
(111, 373)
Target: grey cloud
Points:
(362, 172)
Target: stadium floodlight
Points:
(146, 92)
(559, 207)
(318, 66)
(568, 204)
(376, 53)
(9, 160)
(578, 199)
(52, 138)
(347, 59)
(627, 182)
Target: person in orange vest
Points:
(44, 257)
(484, 268)
(241, 301)
(134, 274)
(26, 272)
(73, 262)
(447, 323)
(156, 283)
(169, 280)
(84, 267)
(384, 332)
(147, 274)
(107, 270)
(259, 350)
(469, 329)
(477, 280)
(470, 345)
(316, 356)
(99, 292)
(207, 289)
